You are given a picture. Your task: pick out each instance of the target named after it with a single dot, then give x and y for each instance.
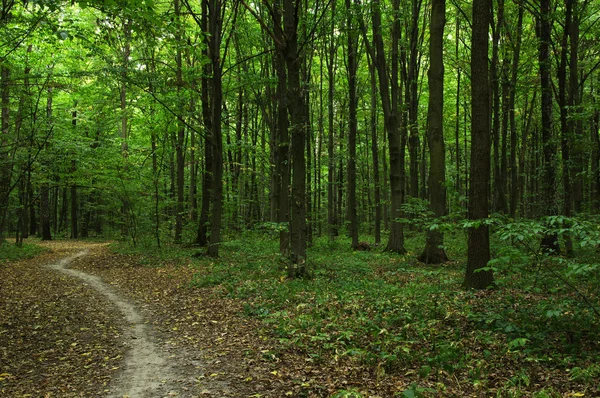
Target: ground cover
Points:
(366, 324)
(377, 324)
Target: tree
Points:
(434, 252)
(352, 68)
(215, 22)
(479, 234)
(392, 126)
(544, 30)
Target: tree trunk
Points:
(479, 236)
(550, 242)
(514, 170)
(5, 165)
(45, 189)
(298, 125)
(125, 209)
(207, 177)
(214, 52)
(413, 98)
(179, 144)
(375, 154)
(566, 127)
(396, 239)
(331, 169)
(434, 252)
(352, 67)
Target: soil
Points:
(66, 332)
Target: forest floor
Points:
(80, 320)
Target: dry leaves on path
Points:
(58, 338)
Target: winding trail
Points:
(147, 371)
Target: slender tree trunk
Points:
(352, 68)
(5, 165)
(74, 202)
(207, 177)
(396, 239)
(479, 234)
(514, 170)
(375, 154)
(214, 52)
(574, 101)
(413, 98)
(331, 180)
(282, 166)
(125, 209)
(434, 252)
(179, 143)
(45, 189)
(566, 128)
(550, 241)
(458, 180)
(499, 198)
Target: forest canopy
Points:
(191, 121)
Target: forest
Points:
(430, 169)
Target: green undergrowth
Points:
(11, 252)
(398, 316)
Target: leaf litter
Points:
(211, 348)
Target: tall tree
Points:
(180, 139)
(352, 68)
(434, 252)
(215, 24)
(391, 122)
(5, 166)
(479, 234)
(544, 30)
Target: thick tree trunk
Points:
(298, 125)
(434, 252)
(479, 237)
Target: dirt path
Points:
(148, 369)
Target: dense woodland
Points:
(299, 188)
(191, 121)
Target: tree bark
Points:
(514, 170)
(331, 169)
(214, 52)
(298, 125)
(478, 252)
(352, 68)
(396, 239)
(5, 165)
(550, 242)
(207, 177)
(179, 143)
(434, 252)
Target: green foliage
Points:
(11, 252)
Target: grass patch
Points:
(11, 252)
